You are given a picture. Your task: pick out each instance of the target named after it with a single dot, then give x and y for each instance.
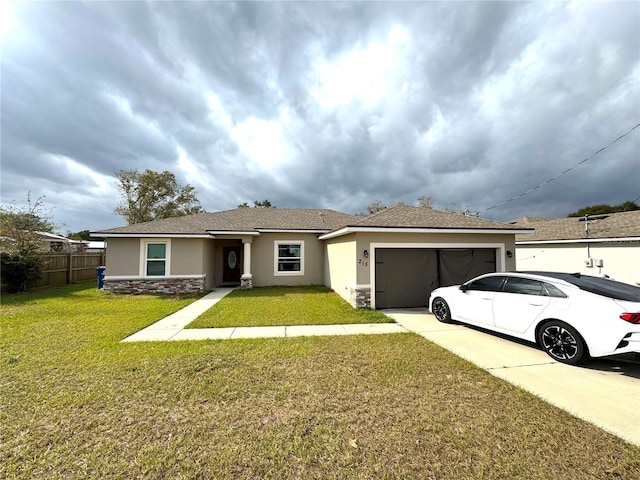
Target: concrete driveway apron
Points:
(604, 392)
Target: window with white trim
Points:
(156, 258)
(289, 258)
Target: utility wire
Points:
(566, 171)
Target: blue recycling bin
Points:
(100, 270)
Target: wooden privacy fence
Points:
(65, 268)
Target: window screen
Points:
(289, 257)
(156, 259)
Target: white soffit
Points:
(347, 230)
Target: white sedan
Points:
(571, 316)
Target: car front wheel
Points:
(440, 310)
(562, 342)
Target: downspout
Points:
(586, 234)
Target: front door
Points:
(231, 264)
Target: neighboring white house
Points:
(50, 243)
(597, 245)
(93, 246)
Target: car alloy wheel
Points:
(562, 343)
(441, 310)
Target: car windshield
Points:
(597, 285)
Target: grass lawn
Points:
(76, 403)
(266, 306)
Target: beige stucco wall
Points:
(123, 257)
(338, 263)
(620, 260)
(263, 260)
(341, 265)
(187, 256)
(209, 264)
(194, 256)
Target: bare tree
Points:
(426, 202)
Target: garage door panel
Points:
(459, 265)
(404, 276)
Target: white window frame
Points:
(144, 259)
(276, 258)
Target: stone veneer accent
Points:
(360, 297)
(246, 282)
(171, 286)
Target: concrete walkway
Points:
(172, 327)
(603, 391)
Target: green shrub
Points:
(21, 261)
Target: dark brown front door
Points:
(231, 264)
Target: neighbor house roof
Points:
(616, 226)
(408, 218)
(239, 220)
(52, 237)
(45, 237)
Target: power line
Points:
(566, 171)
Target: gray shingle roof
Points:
(406, 216)
(253, 219)
(240, 220)
(616, 225)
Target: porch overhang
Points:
(213, 233)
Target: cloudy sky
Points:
(316, 104)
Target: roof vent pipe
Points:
(586, 225)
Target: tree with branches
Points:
(154, 195)
(605, 208)
(257, 204)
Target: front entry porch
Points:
(233, 259)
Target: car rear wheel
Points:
(562, 342)
(440, 310)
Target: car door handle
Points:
(535, 304)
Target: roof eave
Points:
(148, 235)
(233, 232)
(292, 230)
(579, 240)
(498, 231)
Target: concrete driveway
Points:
(604, 392)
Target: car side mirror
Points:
(464, 288)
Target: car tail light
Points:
(631, 317)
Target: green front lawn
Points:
(265, 306)
(77, 403)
